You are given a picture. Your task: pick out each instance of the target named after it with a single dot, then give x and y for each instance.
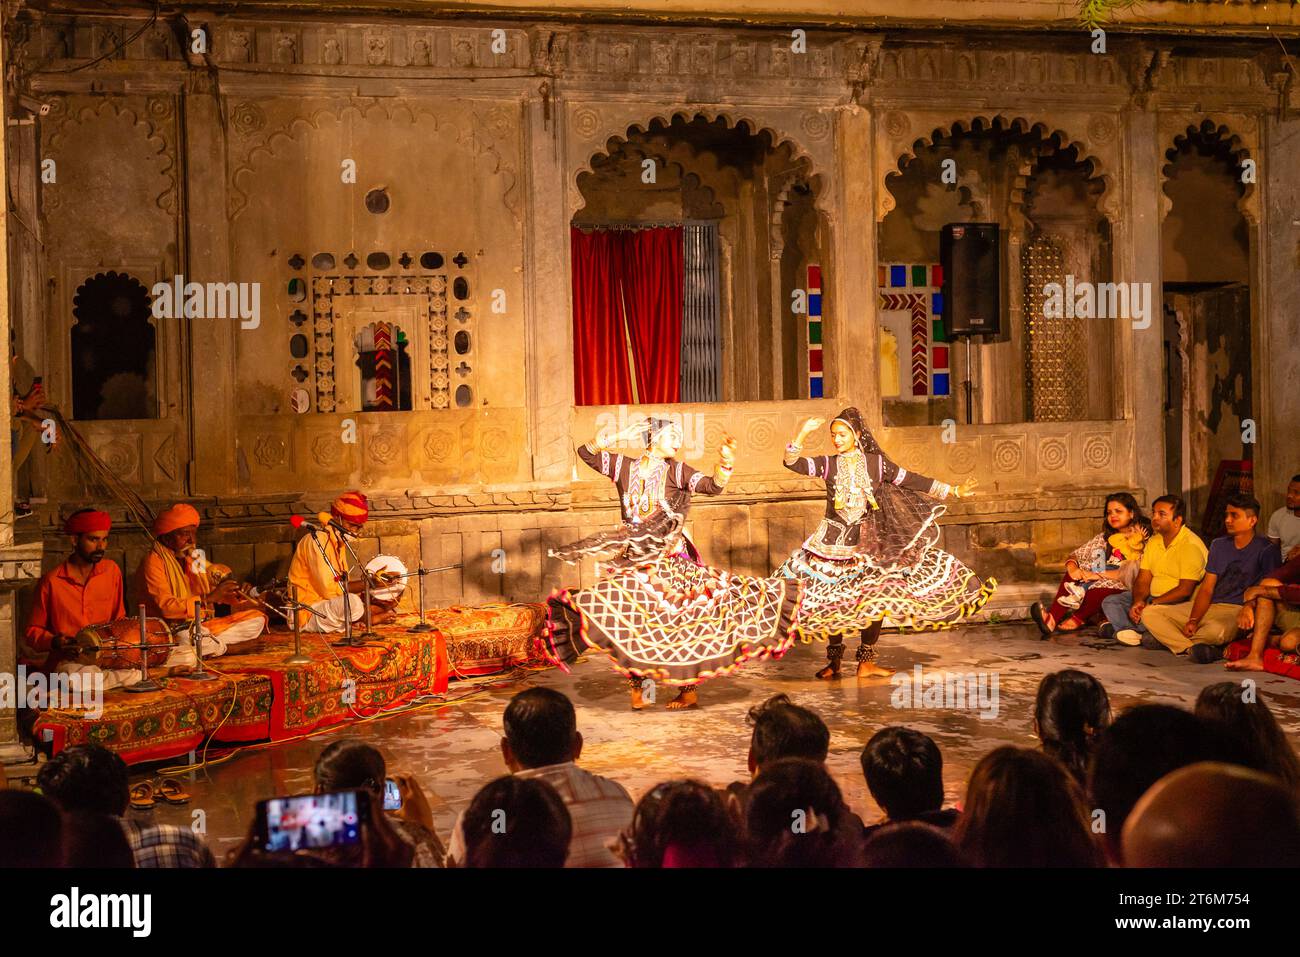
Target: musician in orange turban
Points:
(82, 590)
(320, 566)
(174, 573)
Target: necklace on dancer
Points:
(644, 492)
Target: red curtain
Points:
(639, 271)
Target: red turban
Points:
(87, 521)
(352, 507)
(178, 516)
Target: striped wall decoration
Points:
(917, 289)
(816, 365)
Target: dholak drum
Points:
(110, 645)
(388, 572)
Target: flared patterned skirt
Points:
(935, 591)
(675, 621)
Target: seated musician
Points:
(320, 565)
(84, 590)
(172, 575)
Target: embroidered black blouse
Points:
(848, 501)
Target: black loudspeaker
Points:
(971, 259)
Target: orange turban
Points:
(86, 521)
(351, 506)
(178, 516)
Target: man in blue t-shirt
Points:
(1237, 561)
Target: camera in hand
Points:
(312, 821)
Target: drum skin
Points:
(106, 641)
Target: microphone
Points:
(297, 521)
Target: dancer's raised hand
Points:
(965, 489)
(727, 451)
(810, 426)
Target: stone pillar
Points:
(1136, 221)
(1277, 277)
(853, 352)
(547, 307)
(212, 346)
(19, 563)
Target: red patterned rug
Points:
(276, 701)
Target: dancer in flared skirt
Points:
(875, 554)
(657, 610)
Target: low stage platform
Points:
(258, 697)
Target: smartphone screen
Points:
(392, 795)
(312, 821)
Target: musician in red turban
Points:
(320, 565)
(82, 590)
(174, 574)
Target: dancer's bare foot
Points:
(869, 669)
(830, 672)
(685, 699)
(638, 700)
(1069, 624)
(1249, 663)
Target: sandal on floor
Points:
(1036, 613)
(142, 796)
(171, 791)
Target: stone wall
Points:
(230, 170)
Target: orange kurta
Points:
(161, 596)
(64, 605)
(313, 576)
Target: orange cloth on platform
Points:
(64, 605)
(314, 577)
(178, 516)
(168, 586)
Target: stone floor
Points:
(453, 748)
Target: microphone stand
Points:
(196, 638)
(297, 658)
(145, 683)
(350, 640)
(423, 625)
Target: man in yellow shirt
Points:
(173, 575)
(1172, 565)
(320, 566)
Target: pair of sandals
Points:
(147, 794)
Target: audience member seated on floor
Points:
(682, 824)
(350, 764)
(1276, 600)
(378, 845)
(904, 772)
(1071, 709)
(1023, 809)
(1210, 815)
(795, 816)
(87, 778)
(83, 590)
(172, 576)
(95, 840)
(1140, 747)
(1173, 564)
(1250, 731)
(516, 822)
(911, 844)
(1284, 524)
(1105, 564)
(31, 831)
(782, 729)
(320, 565)
(1200, 628)
(542, 742)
